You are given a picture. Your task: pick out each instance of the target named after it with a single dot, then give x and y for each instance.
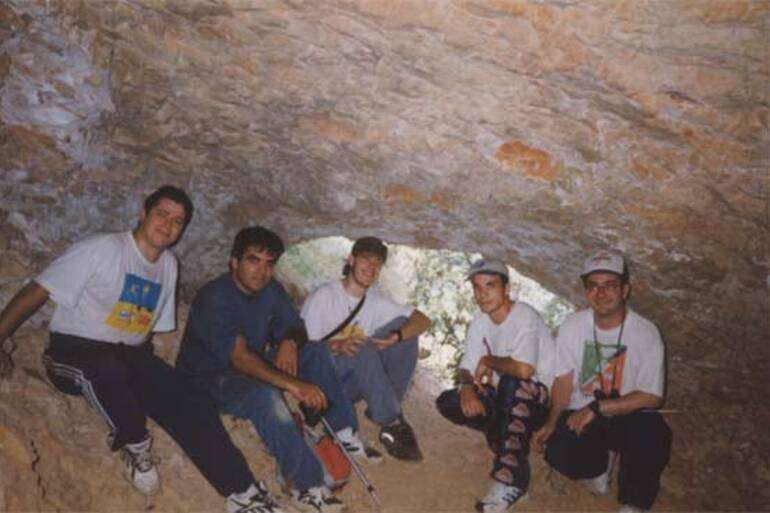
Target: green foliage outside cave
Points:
(431, 280)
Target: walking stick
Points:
(354, 464)
(312, 417)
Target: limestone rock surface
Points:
(532, 130)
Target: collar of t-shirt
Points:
(350, 301)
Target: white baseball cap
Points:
(607, 261)
(488, 266)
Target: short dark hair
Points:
(258, 237)
(367, 245)
(176, 195)
(370, 245)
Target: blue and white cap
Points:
(488, 266)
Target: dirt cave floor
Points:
(41, 452)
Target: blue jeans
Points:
(264, 405)
(380, 378)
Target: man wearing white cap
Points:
(610, 375)
(503, 377)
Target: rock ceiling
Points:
(536, 131)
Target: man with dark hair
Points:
(174, 194)
(610, 380)
(503, 375)
(257, 237)
(374, 342)
(245, 344)
(112, 290)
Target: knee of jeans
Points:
(278, 409)
(389, 326)
(264, 402)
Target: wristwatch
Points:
(594, 407)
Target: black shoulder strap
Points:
(346, 321)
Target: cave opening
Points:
(432, 280)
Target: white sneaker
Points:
(599, 485)
(255, 499)
(499, 499)
(317, 500)
(627, 508)
(357, 449)
(140, 467)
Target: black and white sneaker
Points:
(140, 466)
(357, 448)
(499, 499)
(399, 440)
(318, 500)
(256, 499)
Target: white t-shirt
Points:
(636, 364)
(522, 336)
(106, 290)
(328, 305)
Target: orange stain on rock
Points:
(441, 200)
(400, 193)
(336, 130)
(529, 161)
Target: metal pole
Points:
(354, 464)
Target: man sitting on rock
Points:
(504, 375)
(610, 379)
(374, 342)
(245, 344)
(112, 290)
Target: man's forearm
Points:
(416, 325)
(629, 403)
(254, 366)
(26, 302)
(510, 367)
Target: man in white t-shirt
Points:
(503, 375)
(610, 380)
(374, 341)
(112, 291)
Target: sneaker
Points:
(317, 500)
(599, 485)
(627, 508)
(357, 449)
(399, 441)
(140, 467)
(499, 499)
(255, 499)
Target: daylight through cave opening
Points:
(429, 279)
